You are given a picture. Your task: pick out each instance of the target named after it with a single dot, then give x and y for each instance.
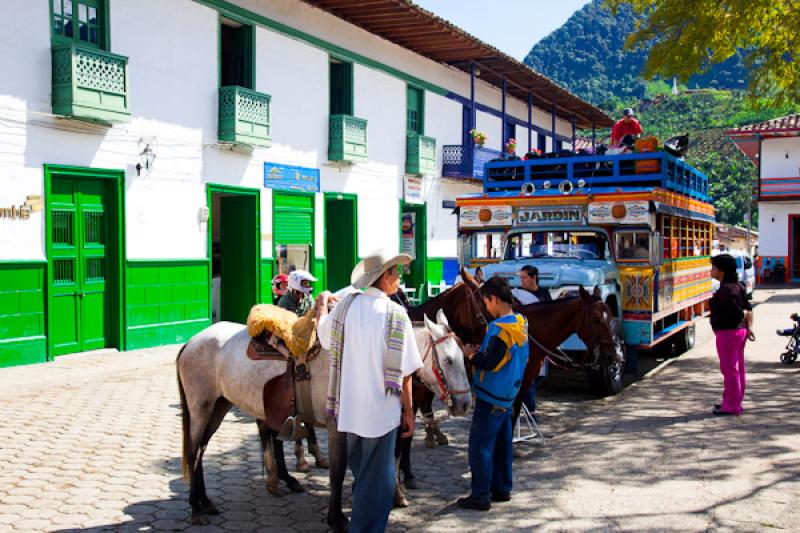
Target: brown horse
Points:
(549, 325)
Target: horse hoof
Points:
(340, 524)
(442, 440)
(430, 443)
(275, 491)
(210, 508)
(400, 501)
(199, 519)
(411, 483)
(295, 485)
(303, 468)
(323, 463)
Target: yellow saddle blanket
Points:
(299, 334)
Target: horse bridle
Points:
(445, 393)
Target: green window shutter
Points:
(236, 56)
(341, 88)
(293, 219)
(80, 21)
(415, 119)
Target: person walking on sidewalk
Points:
(732, 322)
(499, 365)
(373, 354)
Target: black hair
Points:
(726, 264)
(498, 287)
(531, 271)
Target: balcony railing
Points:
(90, 84)
(460, 161)
(347, 140)
(778, 189)
(244, 116)
(420, 154)
(604, 173)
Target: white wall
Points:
(781, 158)
(773, 236)
(173, 79)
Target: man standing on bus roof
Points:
(627, 125)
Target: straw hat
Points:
(376, 263)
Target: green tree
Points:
(687, 37)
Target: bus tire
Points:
(685, 340)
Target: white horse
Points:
(214, 373)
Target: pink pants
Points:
(730, 348)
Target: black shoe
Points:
(720, 412)
(471, 503)
(501, 496)
(717, 405)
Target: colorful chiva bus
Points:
(640, 233)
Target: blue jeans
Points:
(373, 465)
(490, 451)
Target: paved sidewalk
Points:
(654, 459)
(92, 442)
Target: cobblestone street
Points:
(92, 442)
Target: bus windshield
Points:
(557, 244)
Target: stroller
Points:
(793, 346)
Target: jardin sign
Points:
(550, 215)
(289, 178)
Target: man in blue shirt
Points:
(499, 366)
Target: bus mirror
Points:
(656, 248)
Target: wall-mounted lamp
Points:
(772, 218)
(146, 159)
(787, 154)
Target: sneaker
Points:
(720, 412)
(501, 496)
(474, 504)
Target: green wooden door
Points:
(239, 256)
(79, 310)
(293, 228)
(415, 274)
(340, 241)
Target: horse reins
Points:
(445, 393)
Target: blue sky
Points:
(513, 26)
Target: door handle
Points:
(82, 295)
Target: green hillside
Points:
(587, 54)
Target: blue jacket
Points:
(499, 385)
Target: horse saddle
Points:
(259, 349)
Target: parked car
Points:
(744, 267)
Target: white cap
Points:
(296, 279)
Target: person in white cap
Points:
(297, 298)
(373, 354)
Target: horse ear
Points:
(596, 293)
(441, 319)
(428, 323)
(583, 294)
(468, 279)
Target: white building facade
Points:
(154, 150)
(774, 147)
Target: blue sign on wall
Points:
(288, 178)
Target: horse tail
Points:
(185, 422)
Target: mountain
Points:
(587, 55)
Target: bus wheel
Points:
(684, 341)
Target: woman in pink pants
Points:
(731, 320)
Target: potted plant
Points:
(511, 146)
(478, 137)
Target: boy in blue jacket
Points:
(499, 366)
